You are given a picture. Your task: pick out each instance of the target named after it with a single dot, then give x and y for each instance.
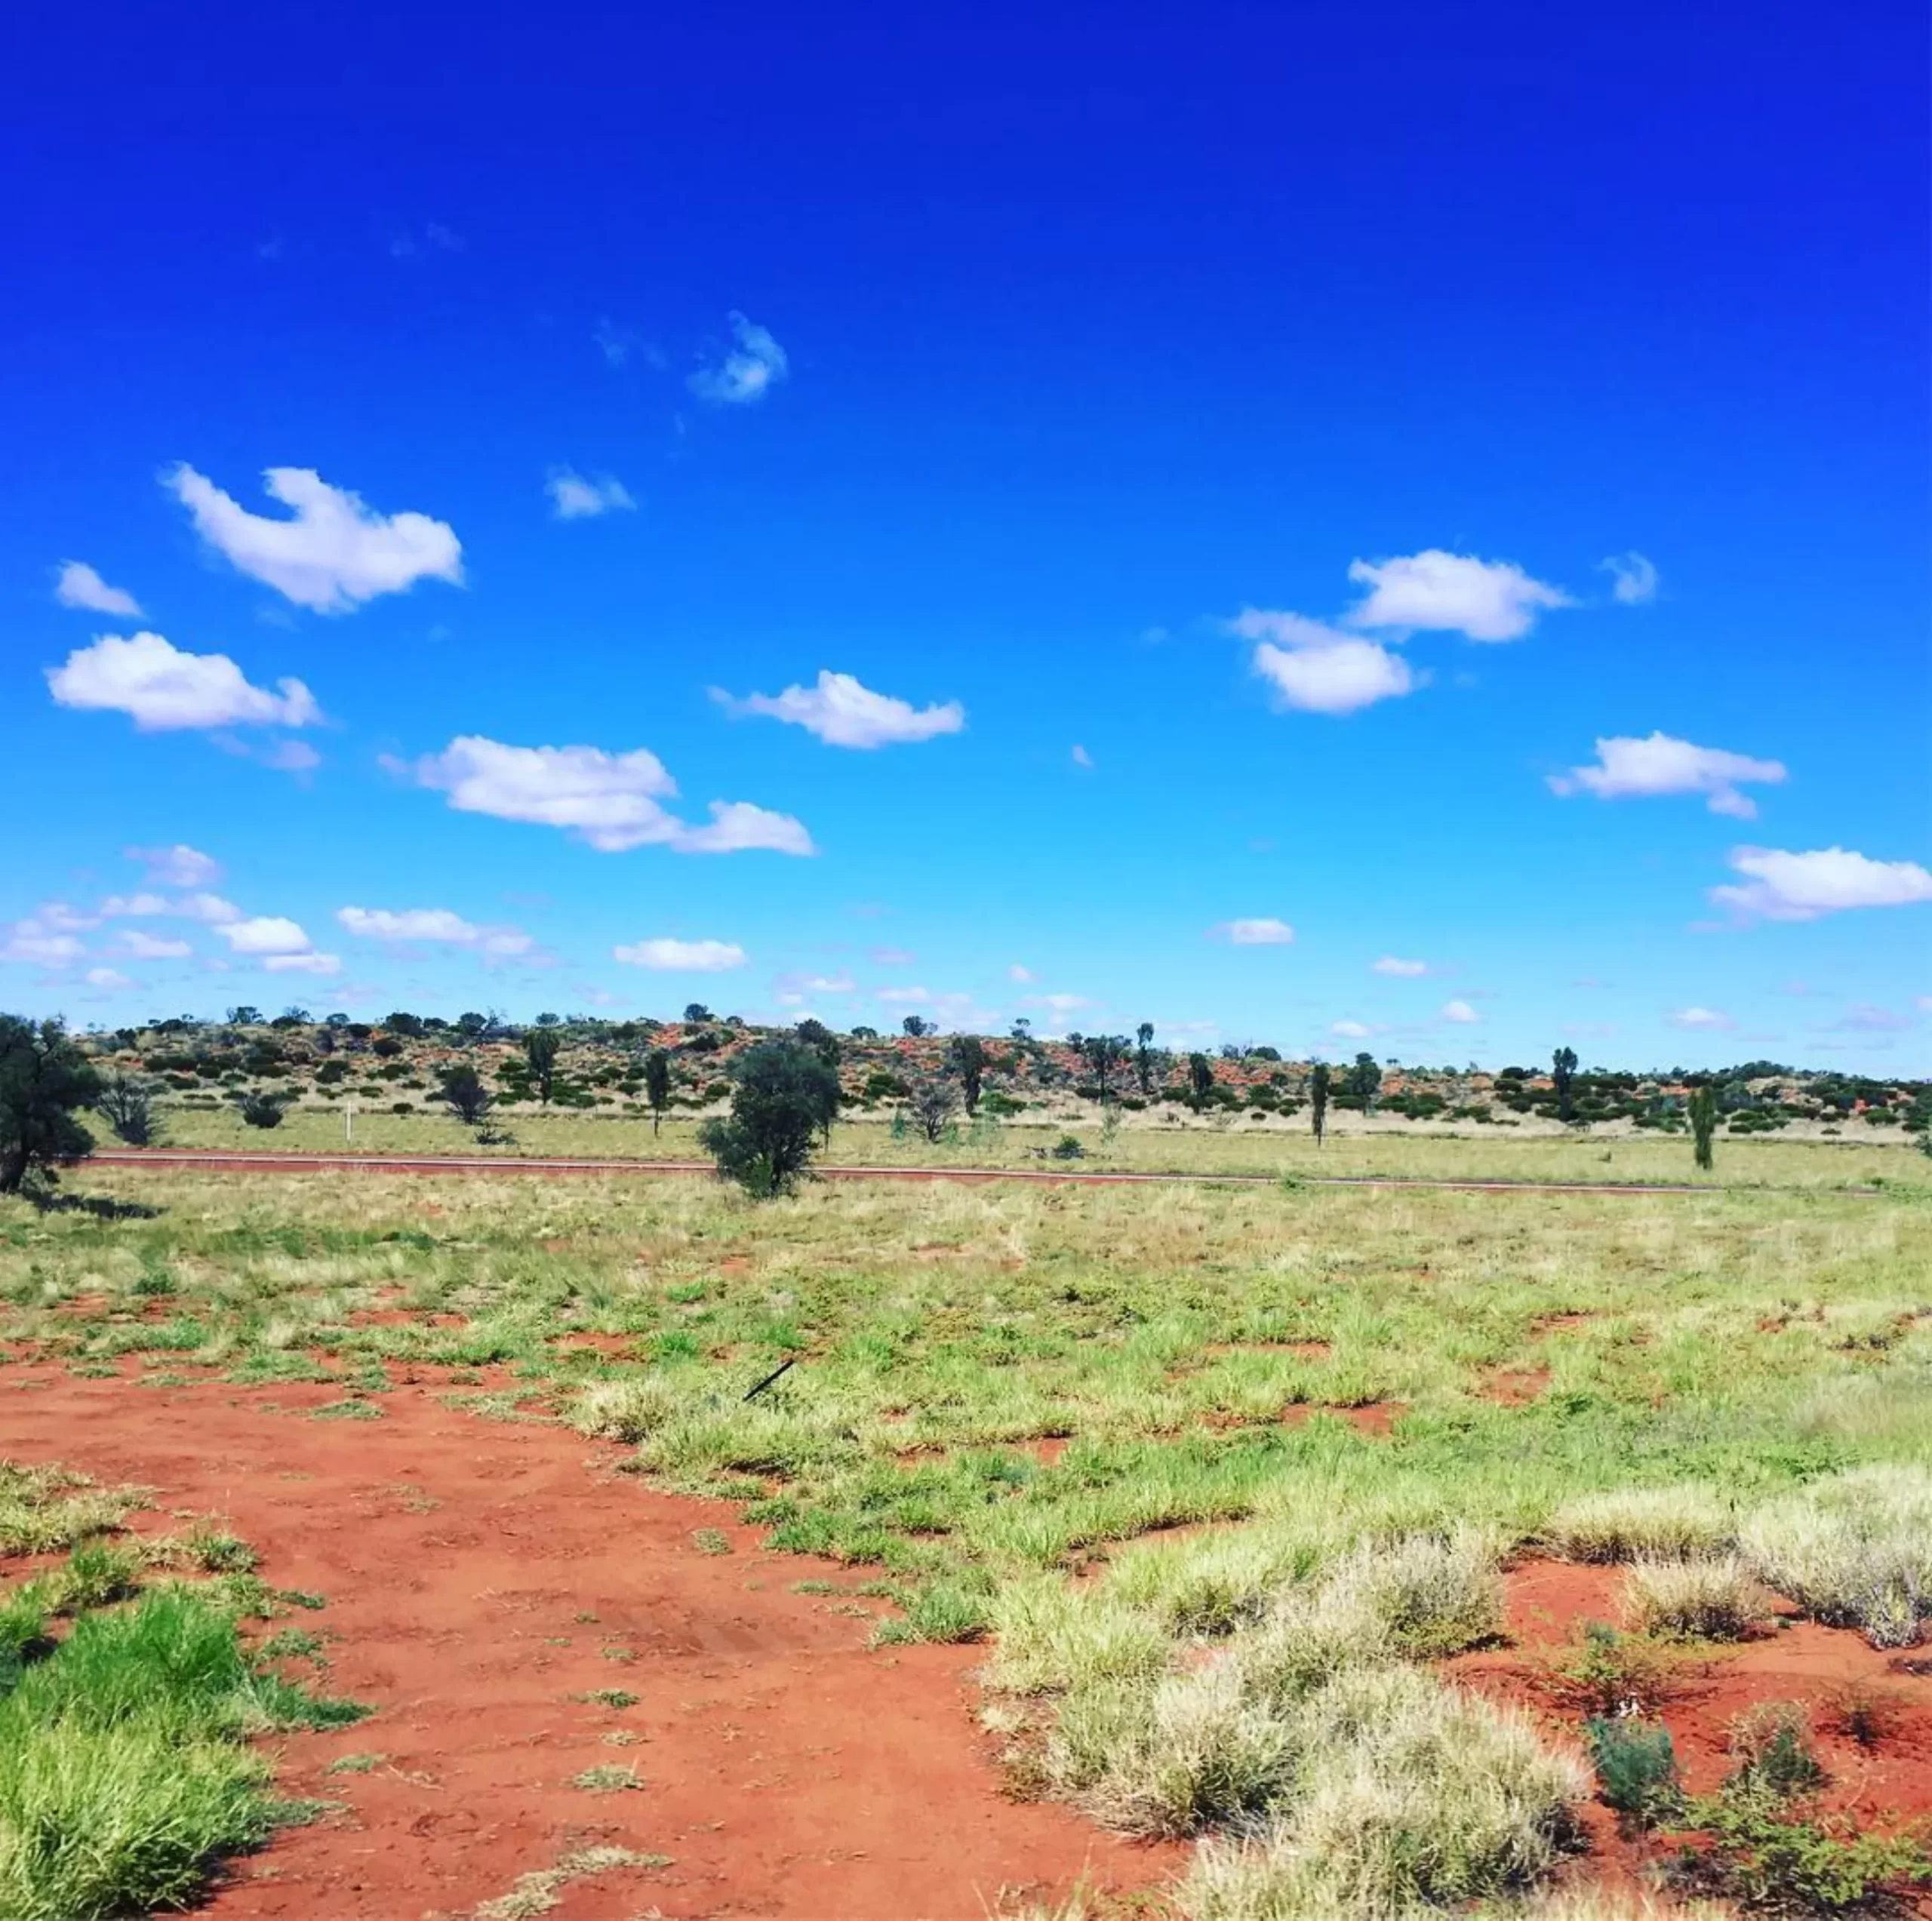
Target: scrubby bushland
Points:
(44, 1080)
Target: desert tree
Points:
(966, 1055)
(1317, 1099)
(1365, 1080)
(541, 1047)
(932, 1103)
(696, 1013)
(1703, 1113)
(461, 1088)
(1143, 1057)
(126, 1103)
(783, 1094)
(260, 1110)
(1200, 1080)
(1562, 1075)
(244, 1015)
(44, 1080)
(409, 1026)
(918, 1027)
(1104, 1053)
(657, 1084)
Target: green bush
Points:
(1636, 1768)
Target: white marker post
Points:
(349, 1119)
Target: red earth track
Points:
(232, 1161)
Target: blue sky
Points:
(1447, 484)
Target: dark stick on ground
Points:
(783, 1368)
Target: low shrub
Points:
(1714, 1600)
(1622, 1526)
(1771, 1744)
(1636, 1768)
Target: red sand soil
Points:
(1880, 1786)
(788, 1771)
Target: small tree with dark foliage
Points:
(1562, 1072)
(784, 1095)
(44, 1080)
(966, 1055)
(126, 1103)
(541, 1047)
(461, 1088)
(917, 1027)
(1200, 1080)
(1703, 1110)
(1143, 1057)
(1317, 1099)
(657, 1084)
(932, 1103)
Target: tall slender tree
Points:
(1143, 1057)
(1200, 1080)
(1317, 1099)
(966, 1055)
(1562, 1072)
(541, 1047)
(1703, 1122)
(657, 1085)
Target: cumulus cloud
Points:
(1023, 976)
(1459, 1012)
(1059, 1005)
(1633, 579)
(1265, 932)
(1484, 600)
(892, 957)
(1628, 767)
(748, 371)
(1863, 1017)
(684, 957)
(843, 713)
(1082, 758)
(437, 925)
(574, 498)
(132, 944)
(78, 585)
(1402, 970)
(177, 866)
(161, 687)
(1697, 1018)
(303, 963)
(1318, 669)
(265, 934)
(1780, 885)
(612, 802)
(210, 908)
(1350, 1030)
(48, 937)
(334, 554)
(106, 977)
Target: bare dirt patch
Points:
(1375, 1417)
(1515, 1387)
(479, 1579)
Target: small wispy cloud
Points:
(748, 371)
(575, 496)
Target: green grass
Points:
(996, 1388)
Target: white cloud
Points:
(1265, 931)
(107, 977)
(611, 802)
(1082, 758)
(209, 907)
(1023, 976)
(438, 924)
(1658, 764)
(748, 370)
(46, 937)
(1056, 1003)
(132, 943)
(334, 554)
(1862, 1017)
(1695, 1019)
(828, 984)
(1633, 579)
(161, 687)
(1803, 886)
(1318, 668)
(903, 997)
(303, 963)
(1459, 1012)
(1402, 969)
(79, 585)
(844, 714)
(686, 957)
(892, 957)
(573, 498)
(265, 934)
(1350, 1030)
(177, 866)
(1485, 599)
